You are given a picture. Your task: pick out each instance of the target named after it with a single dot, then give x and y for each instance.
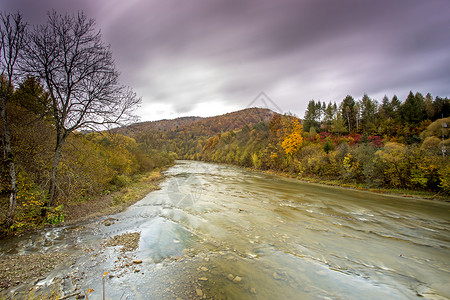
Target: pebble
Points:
(204, 269)
(199, 292)
(109, 221)
(237, 279)
(203, 279)
(276, 276)
(253, 291)
(230, 276)
(137, 261)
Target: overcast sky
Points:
(206, 57)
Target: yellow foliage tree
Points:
(292, 138)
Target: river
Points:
(223, 232)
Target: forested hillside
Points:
(188, 141)
(392, 144)
(163, 125)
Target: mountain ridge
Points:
(200, 125)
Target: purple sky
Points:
(205, 57)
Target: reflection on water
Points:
(221, 232)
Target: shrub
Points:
(121, 181)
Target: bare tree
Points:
(68, 55)
(12, 33)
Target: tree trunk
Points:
(8, 156)
(348, 120)
(55, 168)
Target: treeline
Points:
(390, 118)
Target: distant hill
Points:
(185, 137)
(201, 126)
(230, 121)
(164, 125)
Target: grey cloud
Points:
(188, 53)
(35, 12)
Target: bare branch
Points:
(80, 74)
(67, 53)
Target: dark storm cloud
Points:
(207, 57)
(35, 11)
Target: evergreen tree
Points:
(338, 123)
(368, 114)
(429, 107)
(312, 115)
(386, 110)
(412, 110)
(396, 104)
(330, 112)
(348, 113)
(441, 108)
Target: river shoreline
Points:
(404, 193)
(114, 202)
(29, 268)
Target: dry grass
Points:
(113, 202)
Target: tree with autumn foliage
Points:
(69, 56)
(292, 138)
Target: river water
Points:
(222, 232)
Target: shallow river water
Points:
(222, 232)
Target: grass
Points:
(111, 202)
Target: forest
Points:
(393, 144)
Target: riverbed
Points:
(222, 232)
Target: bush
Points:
(121, 181)
(444, 174)
(55, 215)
